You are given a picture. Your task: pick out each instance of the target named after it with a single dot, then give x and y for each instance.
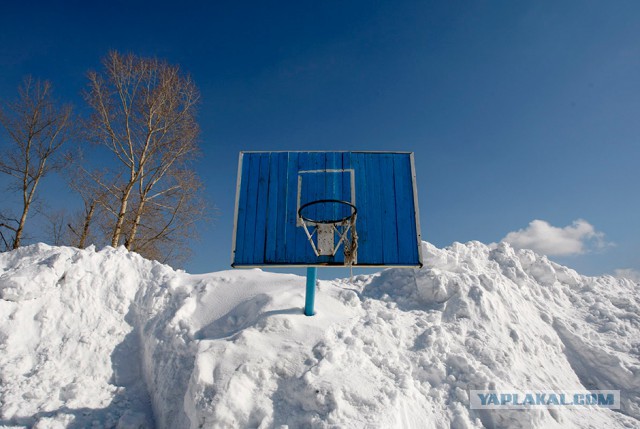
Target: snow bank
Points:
(68, 350)
(112, 340)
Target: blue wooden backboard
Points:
(272, 186)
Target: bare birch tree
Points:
(168, 220)
(144, 113)
(94, 198)
(36, 127)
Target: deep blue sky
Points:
(515, 110)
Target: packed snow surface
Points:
(108, 339)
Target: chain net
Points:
(351, 246)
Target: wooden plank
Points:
(374, 206)
(309, 161)
(344, 183)
(388, 218)
(346, 177)
(241, 210)
(407, 249)
(274, 190)
(317, 163)
(416, 209)
(261, 210)
(291, 207)
(366, 250)
(281, 223)
(251, 207)
(300, 240)
(331, 211)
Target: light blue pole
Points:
(312, 275)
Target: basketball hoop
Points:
(325, 230)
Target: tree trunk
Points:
(23, 219)
(124, 201)
(134, 229)
(27, 199)
(85, 227)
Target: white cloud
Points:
(628, 273)
(541, 237)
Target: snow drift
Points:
(107, 339)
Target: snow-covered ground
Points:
(107, 339)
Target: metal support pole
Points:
(312, 275)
